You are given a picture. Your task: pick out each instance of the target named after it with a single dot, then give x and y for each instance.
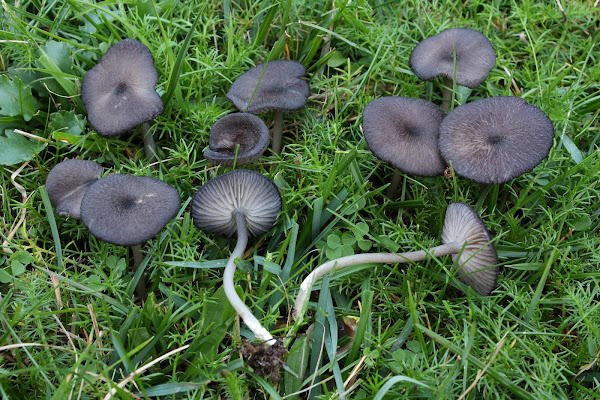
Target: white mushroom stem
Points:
(277, 131)
(249, 319)
(372, 258)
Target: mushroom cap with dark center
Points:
(404, 132)
(476, 264)
(279, 87)
(68, 182)
(128, 210)
(434, 56)
(496, 139)
(246, 191)
(118, 92)
(247, 131)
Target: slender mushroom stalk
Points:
(464, 236)
(243, 202)
(245, 313)
(277, 130)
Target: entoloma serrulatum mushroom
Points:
(118, 92)
(404, 132)
(460, 52)
(68, 182)
(243, 202)
(496, 139)
(239, 138)
(464, 236)
(276, 85)
(129, 210)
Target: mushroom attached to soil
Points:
(118, 92)
(68, 182)
(239, 138)
(464, 236)
(277, 86)
(243, 202)
(496, 139)
(129, 210)
(404, 132)
(436, 55)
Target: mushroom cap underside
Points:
(249, 192)
(476, 264)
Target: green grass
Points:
(70, 328)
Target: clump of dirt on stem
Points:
(265, 359)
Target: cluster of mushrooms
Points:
(413, 135)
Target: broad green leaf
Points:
(23, 257)
(336, 59)
(17, 268)
(16, 98)
(14, 148)
(67, 122)
(60, 54)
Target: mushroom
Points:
(467, 49)
(496, 139)
(243, 202)
(275, 86)
(129, 210)
(118, 92)
(464, 236)
(68, 182)
(239, 138)
(404, 132)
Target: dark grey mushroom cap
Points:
(496, 139)
(242, 190)
(247, 131)
(67, 183)
(434, 56)
(276, 85)
(476, 265)
(118, 92)
(128, 210)
(404, 132)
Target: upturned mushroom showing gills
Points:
(496, 139)
(243, 202)
(118, 92)
(129, 210)
(277, 86)
(68, 182)
(404, 132)
(239, 138)
(467, 49)
(464, 236)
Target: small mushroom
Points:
(464, 236)
(129, 210)
(277, 86)
(68, 182)
(118, 92)
(404, 132)
(239, 138)
(496, 139)
(243, 202)
(436, 55)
